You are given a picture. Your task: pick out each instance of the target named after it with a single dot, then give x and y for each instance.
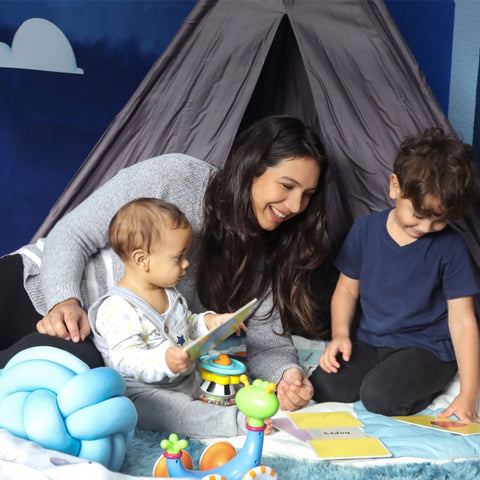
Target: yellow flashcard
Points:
(324, 420)
(332, 449)
(443, 424)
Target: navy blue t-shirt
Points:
(404, 290)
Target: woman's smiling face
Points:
(284, 190)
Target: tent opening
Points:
(282, 87)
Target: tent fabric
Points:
(339, 65)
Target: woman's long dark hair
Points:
(239, 260)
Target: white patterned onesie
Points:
(133, 337)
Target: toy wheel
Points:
(216, 455)
(261, 473)
(214, 476)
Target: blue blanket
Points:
(404, 440)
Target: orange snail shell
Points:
(217, 455)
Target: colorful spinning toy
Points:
(220, 375)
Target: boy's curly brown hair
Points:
(437, 164)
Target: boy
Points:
(413, 276)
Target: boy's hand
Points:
(328, 361)
(214, 319)
(464, 409)
(178, 361)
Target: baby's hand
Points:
(214, 319)
(178, 361)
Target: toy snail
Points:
(220, 461)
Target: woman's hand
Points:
(66, 320)
(294, 390)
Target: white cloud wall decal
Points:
(38, 44)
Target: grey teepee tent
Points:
(339, 65)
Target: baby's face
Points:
(168, 261)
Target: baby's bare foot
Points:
(269, 426)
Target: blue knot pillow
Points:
(51, 397)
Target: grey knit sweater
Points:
(75, 261)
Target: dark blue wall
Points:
(427, 27)
(49, 122)
(476, 126)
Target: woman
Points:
(259, 230)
